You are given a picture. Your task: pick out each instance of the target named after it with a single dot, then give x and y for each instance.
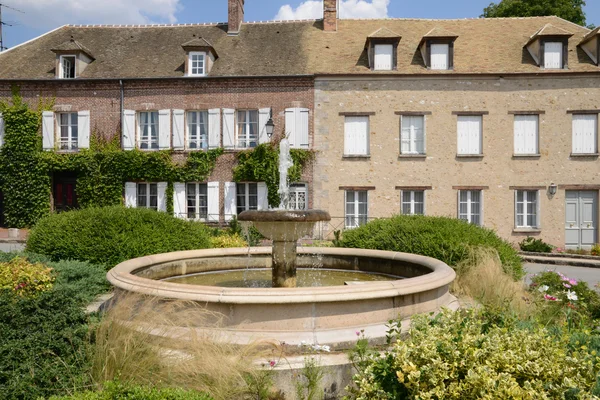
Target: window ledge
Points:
(356, 157)
(412, 156)
(527, 155)
(579, 155)
(527, 230)
(469, 156)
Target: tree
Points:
(571, 10)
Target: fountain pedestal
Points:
(284, 264)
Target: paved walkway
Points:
(8, 247)
(589, 275)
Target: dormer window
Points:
(383, 57)
(71, 59)
(440, 56)
(382, 50)
(549, 47)
(553, 55)
(437, 49)
(197, 63)
(67, 67)
(200, 57)
(591, 45)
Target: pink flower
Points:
(272, 363)
(357, 333)
(567, 285)
(550, 298)
(572, 281)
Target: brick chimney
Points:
(236, 16)
(330, 15)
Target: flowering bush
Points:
(227, 241)
(595, 250)
(24, 278)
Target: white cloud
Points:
(313, 9)
(50, 13)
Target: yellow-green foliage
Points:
(226, 241)
(25, 278)
(467, 355)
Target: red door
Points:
(65, 198)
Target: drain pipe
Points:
(122, 105)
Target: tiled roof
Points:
(71, 45)
(551, 30)
(438, 32)
(292, 48)
(383, 33)
(197, 42)
(590, 35)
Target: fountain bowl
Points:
(284, 225)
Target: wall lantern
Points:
(270, 127)
(552, 189)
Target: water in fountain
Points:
(285, 163)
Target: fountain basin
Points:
(284, 225)
(326, 315)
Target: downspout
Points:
(122, 105)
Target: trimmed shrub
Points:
(227, 240)
(447, 239)
(535, 245)
(110, 235)
(25, 278)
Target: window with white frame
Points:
(526, 209)
(147, 195)
(197, 200)
(440, 56)
(67, 123)
(526, 134)
(246, 196)
(197, 130)
(356, 208)
(247, 128)
(67, 67)
(197, 62)
(470, 206)
(469, 130)
(384, 57)
(413, 202)
(553, 55)
(356, 135)
(148, 129)
(412, 140)
(298, 198)
(585, 133)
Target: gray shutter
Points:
(161, 188)
(263, 118)
(302, 128)
(214, 128)
(83, 126)
(128, 130)
(290, 126)
(179, 209)
(130, 194)
(263, 196)
(213, 201)
(228, 128)
(48, 130)
(178, 129)
(230, 203)
(164, 129)
(1, 130)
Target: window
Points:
(526, 209)
(247, 196)
(469, 134)
(553, 55)
(526, 134)
(148, 121)
(247, 128)
(356, 208)
(470, 206)
(585, 133)
(68, 131)
(147, 195)
(298, 196)
(197, 201)
(356, 135)
(67, 67)
(197, 65)
(412, 139)
(384, 55)
(440, 56)
(197, 124)
(413, 202)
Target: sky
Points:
(40, 16)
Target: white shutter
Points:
(519, 132)
(302, 128)
(230, 203)
(128, 130)
(419, 133)
(1, 130)
(130, 194)
(83, 129)
(553, 54)
(290, 125)
(263, 196)
(584, 133)
(405, 135)
(164, 129)
(161, 188)
(383, 57)
(178, 129)
(475, 134)
(263, 118)
(228, 128)
(463, 134)
(48, 130)
(213, 201)
(179, 200)
(526, 131)
(214, 128)
(439, 56)
(356, 135)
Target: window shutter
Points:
(519, 132)
(418, 123)
(161, 188)
(405, 135)
(1, 130)
(439, 56)
(214, 128)
(48, 130)
(475, 135)
(553, 55)
(83, 126)
(383, 57)
(463, 135)
(230, 204)
(302, 128)
(179, 200)
(537, 215)
(526, 129)
(290, 126)
(164, 129)
(178, 129)
(130, 194)
(128, 130)
(584, 133)
(213, 201)
(263, 196)
(228, 128)
(355, 138)
(263, 117)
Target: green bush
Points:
(447, 239)
(114, 390)
(535, 245)
(110, 235)
(25, 278)
(475, 354)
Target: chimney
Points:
(330, 15)
(236, 16)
